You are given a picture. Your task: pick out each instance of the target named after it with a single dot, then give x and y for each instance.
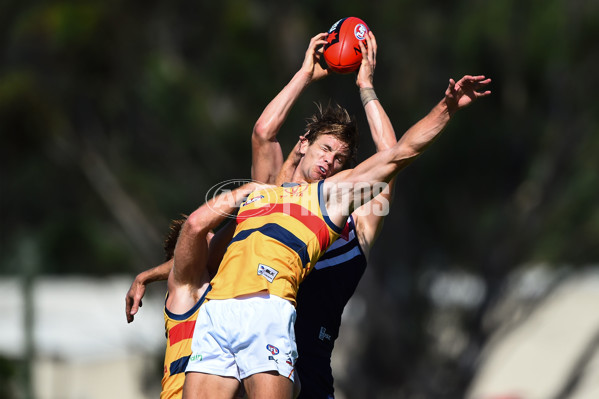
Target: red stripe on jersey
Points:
(309, 219)
(345, 233)
(181, 331)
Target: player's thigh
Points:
(267, 341)
(268, 385)
(209, 386)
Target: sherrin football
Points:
(342, 52)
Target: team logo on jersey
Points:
(294, 191)
(272, 349)
(256, 198)
(268, 272)
(221, 196)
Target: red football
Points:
(342, 52)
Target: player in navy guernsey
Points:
(325, 292)
(320, 303)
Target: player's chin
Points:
(318, 177)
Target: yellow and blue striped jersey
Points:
(179, 332)
(281, 232)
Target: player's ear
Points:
(304, 144)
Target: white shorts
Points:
(244, 336)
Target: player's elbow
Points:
(263, 132)
(403, 152)
(197, 222)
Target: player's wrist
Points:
(367, 94)
(448, 107)
(141, 279)
(304, 76)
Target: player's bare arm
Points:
(203, 221)
(191, 246)
(133, 299)
(381, 129)
(267, 156)
(343, 189)
(369, 218)
(190, 275)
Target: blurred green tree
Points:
(118, 116)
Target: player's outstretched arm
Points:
(346, 189)
(190, 270)
(267, 156)
(458, 95)
(191, 250)
(381, 129)
(133, 299)
(369, 218)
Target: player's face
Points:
(324, 157)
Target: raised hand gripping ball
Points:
(342, 52)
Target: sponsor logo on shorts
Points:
(196, 357)
(322, 335)
(272, 349)
(268, 272)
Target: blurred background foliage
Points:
(116, 117)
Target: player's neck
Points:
(299, 176)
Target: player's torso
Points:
(320, 303)
(281, 232)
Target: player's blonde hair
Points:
(336, 121)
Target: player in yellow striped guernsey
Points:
(189, 273)
(281, 232)
(178, 327)
(179, 331)
(244, 335)
(324, 294)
